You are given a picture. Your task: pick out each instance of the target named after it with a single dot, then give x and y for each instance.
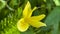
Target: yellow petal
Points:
(34, 8)
(27, 9)
(27, 12)
(32, 11)
(22, 26)
(37, 24)
(37, 18)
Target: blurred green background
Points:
(11, 12)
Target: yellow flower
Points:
(24, 23)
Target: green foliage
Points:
(2, 4)
(57, 2)
(11, 12)
(53, 20)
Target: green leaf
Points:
(13, 30)
(19, 12)
(53, 20)
(57, 2)
(14, 4)
(2, 4)
(8, 25)
(50, 5)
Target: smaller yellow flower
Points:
(24, 23)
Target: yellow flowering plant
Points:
(24, 23)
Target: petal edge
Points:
(22, 26)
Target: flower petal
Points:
(22, 26)
(37, 24)
(34, 8)
(37, 18)
(32, 11)
(27, 9)
(27, 12)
